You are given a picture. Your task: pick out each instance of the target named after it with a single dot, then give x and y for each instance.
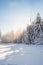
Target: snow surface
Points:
(21, 54)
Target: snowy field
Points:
(21, 54)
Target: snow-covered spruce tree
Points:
(30, 34)
(34, 31)
(37, 28)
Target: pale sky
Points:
(15, 14)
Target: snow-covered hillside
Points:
(21, 54)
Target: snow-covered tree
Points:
(37, 29)
(30, 34)
(38, 18)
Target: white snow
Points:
(21, 54)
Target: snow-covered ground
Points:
(21, 54)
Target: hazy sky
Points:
(15, 14)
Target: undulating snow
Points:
(21, 54)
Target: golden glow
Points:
(29, 23)
(19, 26)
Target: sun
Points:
(20, 26)
(30, 22)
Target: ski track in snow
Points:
(21, 54)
